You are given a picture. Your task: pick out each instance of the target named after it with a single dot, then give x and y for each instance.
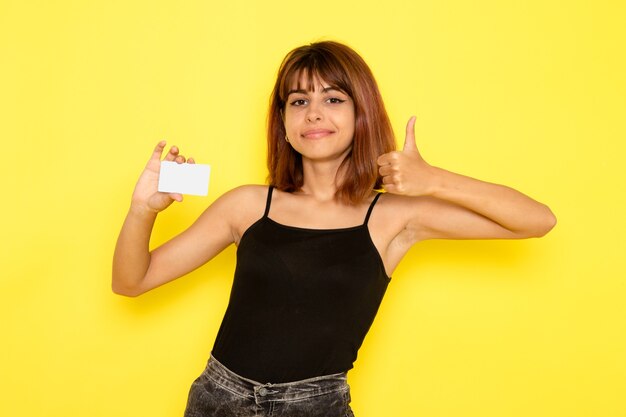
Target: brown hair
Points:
(342, 68)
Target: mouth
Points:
(316, 133)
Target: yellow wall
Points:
(530, 94)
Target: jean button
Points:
(262, 391)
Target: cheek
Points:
(351, 116)
(288, 122)
(352, 123)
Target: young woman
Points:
(317, 247)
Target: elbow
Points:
(537, 226)
(125, 290)
(127, 282)
(549, 221)
(546, 223)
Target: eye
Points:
(298, 102)
(335, 100)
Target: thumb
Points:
(176, 197)
(409, 141)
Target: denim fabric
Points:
(219, 392)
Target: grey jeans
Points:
(219, 392)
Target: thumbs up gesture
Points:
(405, 172)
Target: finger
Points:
(388, 179)
(158, 151)
(409, 141)
(387, 158)
(381, 160)
(390, 188)
(172, 154)
(176, 197)
(386, 170)
(180, 159)
(190, 160)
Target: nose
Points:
(314, 113)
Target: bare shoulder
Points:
(241, 207)
(425, 217)
(392, 213)
(402, 209)
(400, 219)
(244, 195)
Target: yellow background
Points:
(531, 94)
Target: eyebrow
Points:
(324, 90)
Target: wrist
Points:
(142, 211)
(436, 181)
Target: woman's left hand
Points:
(405, 172)
(478, 209)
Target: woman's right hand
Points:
(146, 197)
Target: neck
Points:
(320, 179)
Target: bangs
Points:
(312, 69)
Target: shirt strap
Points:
(269, 201)
(369, 211)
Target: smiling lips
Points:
(316, 133)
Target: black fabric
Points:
(302, 300)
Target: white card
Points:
(184, 178)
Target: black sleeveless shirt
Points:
(302, 300)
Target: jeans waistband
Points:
(262, 392)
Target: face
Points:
(320, 122)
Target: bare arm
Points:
(136, 269)
(454, 206)
(132, 257)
